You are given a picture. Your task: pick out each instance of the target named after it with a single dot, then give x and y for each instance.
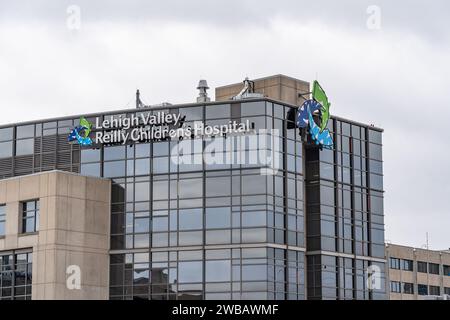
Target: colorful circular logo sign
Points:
(305, 117)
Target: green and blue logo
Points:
(81, 133)
(305, 117)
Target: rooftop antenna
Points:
(138, 99)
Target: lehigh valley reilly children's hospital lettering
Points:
(149, 127)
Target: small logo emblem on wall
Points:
(318, 104)
(81, 133)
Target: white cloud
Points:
(394, 78)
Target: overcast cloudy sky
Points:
(395, 76)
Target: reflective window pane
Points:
(6, 134)
(218, 111)
(142, 150)
(90, 155)
(190, 188)
(218, 217)
(114, 153)
(161, 165)
(375, 136)
(253, 184)
(91, 169)
(251, 273)
(6, 149)
(218, 186)
(218, 271)
(114, 169)
(160, 190)
(190, 219)
(24, 147)
(142, 167)
(190, 271)
(25, 131)
(142, 191)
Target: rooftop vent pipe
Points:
(203, 95)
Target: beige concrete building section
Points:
(416, 254)
(277, 87)
(74, 229)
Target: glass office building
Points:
(309, 230)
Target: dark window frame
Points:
(407, 265)
(3, 219)
(35, 216)
(394, 263)
(16, 270)
(408, 288)
(422, 289)
(434, 268)
(420, 265)
(446, 270)
(434, 290)
(395, 286)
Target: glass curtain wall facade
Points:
(226, 231)
(345, 225)
(197, 218)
